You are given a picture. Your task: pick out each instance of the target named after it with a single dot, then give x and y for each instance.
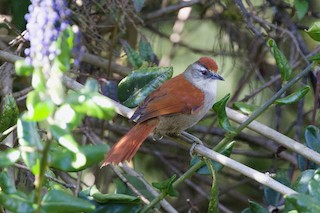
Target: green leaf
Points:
(294, 97)
(301, 7)
(257, 208)
(67, 118)
(138, 4)
(271, 196)
(22, 68)
(38, 109)
(91, 86)
(60, 201)
(133, 57)
(314, 189)
(9, 157)
(314, 31)
(63, 159)
(106, 198)
(9, 113)
(15, 203)
(220, 108)
(133, 89)
(38, 80)
(89, 102)
(302, 202)
(166, 186)
(312, 136)
(281, 60)
(145, 50)
(18, 11)
(109, 203)
(244, 107)
(65, 44)
(66, 140)
(315, 57)
(301, 184)
(30, 144)
(94, 105)
(7, 183)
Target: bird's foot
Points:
(157, 136)
(195, 141)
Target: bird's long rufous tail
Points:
(128, 145)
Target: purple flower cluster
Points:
(46, 20)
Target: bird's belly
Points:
(174, 124)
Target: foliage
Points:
(63, 130)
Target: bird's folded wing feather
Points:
(175, 96)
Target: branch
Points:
(88, 58)
(170, 9)
(275, 136)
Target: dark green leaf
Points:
(18, 10)
(9, 114)
(133, 57)
(66, 140)
(63, 159)
(38, 109)
(6, 183)
(220, 108)
(246, 210)
(166, 186)
(315, 57)
(314, 31)
(301, 7)
(9, 157)
(271, 196)
(312, 136)
(314, 189)
(110, 203)
(29, 141)
(145, 50)
(15, 203)
(22, 68)
(119, 198)
(133, 89)
(91, 86)
(302, 202)
(60, 201)
(281, 60)
(294, 97)
(301, 184)
(257, 208)
(244, 107)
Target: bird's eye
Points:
(204, 72)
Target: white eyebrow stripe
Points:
(200, 67)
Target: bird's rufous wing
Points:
(175, 96)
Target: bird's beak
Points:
(217, 77)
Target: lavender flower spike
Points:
(46, 20)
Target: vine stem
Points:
(41, 176)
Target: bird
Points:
(176, 105)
